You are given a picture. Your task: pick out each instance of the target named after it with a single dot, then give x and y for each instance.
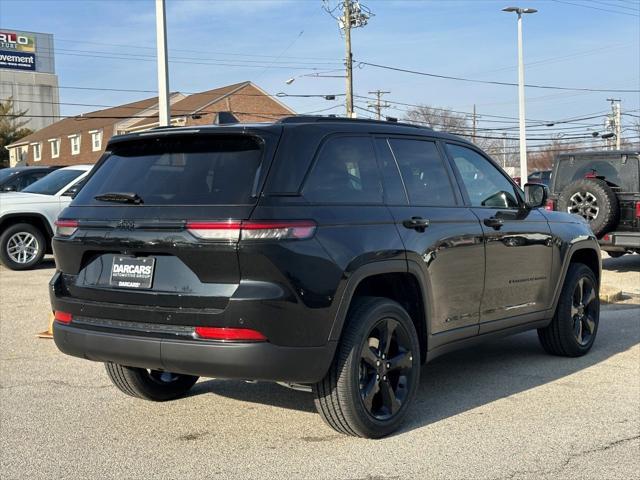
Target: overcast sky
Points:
(573, 43)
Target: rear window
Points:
(54, 182)
(211, 170)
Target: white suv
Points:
(27, 218)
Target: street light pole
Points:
(521, 103)
(163, 66)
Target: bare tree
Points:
(542, 159)
(442, 119)
(446, 120)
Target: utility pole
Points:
(378, 105)
(504, 149)
(352, 15)
(615, 121)
(475, 124)
(349, 56)
(164, 114)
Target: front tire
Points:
(375, 373)
(573, 329)
(150, 385)
(22, 246)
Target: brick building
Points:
(82, 139)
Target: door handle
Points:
(493, 222)
(416, 223)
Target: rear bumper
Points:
(252, 361)
(620, 241)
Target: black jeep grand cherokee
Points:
(339, 254)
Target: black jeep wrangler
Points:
(336, 254)
(604, 188)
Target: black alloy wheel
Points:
(375, 372)
(584, 311)
(385, 369)
(573, 329)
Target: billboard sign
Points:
(17, 42)
(17, 50)
(17, 60)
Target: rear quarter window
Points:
(345, 171)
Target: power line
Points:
(595, 8)
(614, 5)
(189, 62)
(132, 90)
(140, 56)
(231, 54)
(494, 82)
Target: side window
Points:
(28, 179)
(486, 186)
(394, 192)
(345, 172)
(423, 172)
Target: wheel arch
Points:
(586, 252)
(388, 279)
(37, 220)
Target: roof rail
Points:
(332, 119)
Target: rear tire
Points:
(573, 329)
(22, 246)
(150, 385)
(372, 380)
(593, 200)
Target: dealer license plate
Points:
(132, 272)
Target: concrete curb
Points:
(610, 294)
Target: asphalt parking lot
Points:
(504, 410)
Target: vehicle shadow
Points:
(464, 380)
(626, 263)
(47, 263)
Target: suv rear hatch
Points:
(158, 222)
(620, 170)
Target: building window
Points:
(96, 140)
(55, 147)
(37, 151)
(75, 144)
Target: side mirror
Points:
(73, 190)
(9, 188)
(535, 194)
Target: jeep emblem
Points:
(126, 225)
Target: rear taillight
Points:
(226, 231)
(277, 230)
(229, 334)
(637, 209)
(66, 228)
(253, 230)
(62, 317)
(550, 205)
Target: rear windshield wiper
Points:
(121, 197)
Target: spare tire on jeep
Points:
(592, 199)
